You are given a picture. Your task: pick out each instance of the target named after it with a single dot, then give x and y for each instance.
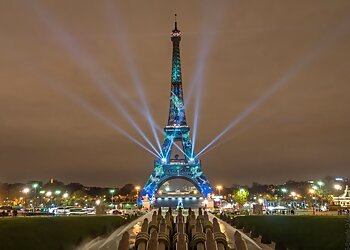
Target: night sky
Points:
(289, 59)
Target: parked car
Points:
(61, 211)
(78, 211)
(5, 210)
(114, 211)
(91, 211)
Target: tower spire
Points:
(175, 22)
(177, 115)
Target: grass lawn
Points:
(52, 233)
(301, 232)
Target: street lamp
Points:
(219, 188)
(25, 191)
(337, 187)
(137, 188)
(320, 183)
(312, 192)
(35, 185)
(112, 192)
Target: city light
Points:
(35, 185)
(48, 194)
(320, 183)
(65, 195)
(98, 202)
(284, 190)
(57, 192)
(337, 187)
(25, 190)
(164, 160)
(293, 193)
(312, 191)
(219, 188)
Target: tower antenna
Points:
(175, 21)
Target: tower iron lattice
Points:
(347, 232)
(167, 167)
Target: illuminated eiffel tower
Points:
(166, 167)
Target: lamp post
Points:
(25, 191)
(35, 185)
(65, 197)
(219, 188)
(112, 194)
(41, 192)
(48, 195)
(57, 193)
(137, 188)
(312, 192)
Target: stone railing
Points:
(181, 233)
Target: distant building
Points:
(343, 200)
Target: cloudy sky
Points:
(278, 71)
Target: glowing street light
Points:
(57, 192)
(337, 187)
(48, 194)
(65, 195)
(137, 188)
(320, 183)
(219, 188)
(293, 193)
(26, 190)
(98, 202)
(35, 185)
(312, 191)
(111, 191)
(284, 190)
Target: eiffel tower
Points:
(187, 167)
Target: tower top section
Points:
(177, 115)
(175, 32)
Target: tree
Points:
(241, 196)
(126, 190)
